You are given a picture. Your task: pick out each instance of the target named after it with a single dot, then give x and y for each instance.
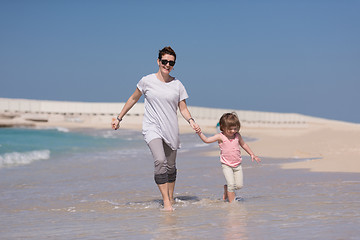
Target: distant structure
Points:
(14, 112)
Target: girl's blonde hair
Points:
(229, 120)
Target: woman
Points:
(163, 94)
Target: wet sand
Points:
(100, 196)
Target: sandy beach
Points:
(323, 145)
(328, 146)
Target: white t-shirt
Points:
(161, 104)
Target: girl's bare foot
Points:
(231, 196)
(225, 195)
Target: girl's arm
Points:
(187, 116)
(211, 139)
(248, 150)
(134, 98)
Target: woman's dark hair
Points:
(228, 120)
(167, 50)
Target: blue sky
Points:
(277, 56)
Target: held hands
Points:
(195, 126)
(115, 124)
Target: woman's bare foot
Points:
(164, 189)
(167, 207)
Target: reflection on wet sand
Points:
(235, 226)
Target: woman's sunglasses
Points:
(164, 62)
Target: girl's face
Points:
(230, 132)
(166, 64)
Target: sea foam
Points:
(23, 158)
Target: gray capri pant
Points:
(164, 161)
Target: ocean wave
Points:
(23, 158)
(59, 129)
(62, 129)
(108, 134)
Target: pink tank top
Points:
(230, 153)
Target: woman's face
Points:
(165, 63)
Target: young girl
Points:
(230, 141)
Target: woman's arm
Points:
(187, 116)
(248, 150)
(134, 98)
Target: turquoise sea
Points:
(22, 146)
(98, 184)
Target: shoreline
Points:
(329, 146)
(326, 147)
